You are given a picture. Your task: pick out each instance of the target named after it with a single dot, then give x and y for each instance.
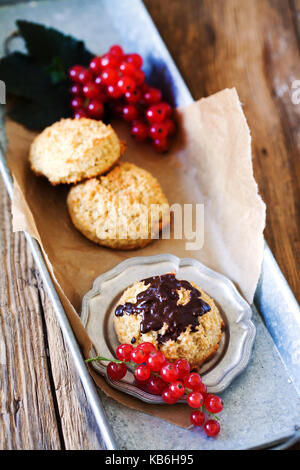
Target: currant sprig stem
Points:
(116, 361)
(173, 381)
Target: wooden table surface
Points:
(250, 44)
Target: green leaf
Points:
(56, 70)
(39, 79)
(37, 116)
(44, 43)
(24, 77)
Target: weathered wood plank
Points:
(43, 404)
(252, 45)
(28, 418)
(77, 422)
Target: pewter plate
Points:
(98, 307)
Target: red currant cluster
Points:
(173, 381)
(117, 79)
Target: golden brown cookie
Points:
(119, 210)
(187, 324)
(72, 150)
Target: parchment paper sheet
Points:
(209, 163)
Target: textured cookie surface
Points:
(196, 342)
(119, 210)
(74, 149)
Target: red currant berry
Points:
(213, 404)
(79, 113)
(126, 84)
(95, 65)
(85, 76)
(202, 389)
(156, 385)
(98, 81)
(169, 372)
(130, 112)
(90, 90)
(145, 87)
(167, 108)
(147, 347)
(77, 102)
(212, 428)
(135, 59)
(158, 130)
(109, 76)
(197, 418)
(123, 352)
(110, 61)
(156, 360)
(76, 89)
(102, 96)
(139, 77)
(116, 371)
(152, 96)
(161, 145)
(183, 368)
(113, 92)
(127, 69)
(117, 51)
(168, 397)
(142, 373)
(75, 71)
(177, 389)
(101, 88)
(156, 113)
(133, 96)
(139, 131)
(195, 399)
(170, 125)
(193, 381)
(138, 356)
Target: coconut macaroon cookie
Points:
(72, 150)
(178, 317)
(121, 210)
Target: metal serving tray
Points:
(262, 404)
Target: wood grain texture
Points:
(28, 416)
(78, 426)
(42, 402)
(251, 45)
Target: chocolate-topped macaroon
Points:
(178, 317)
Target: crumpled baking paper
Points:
(209, 163)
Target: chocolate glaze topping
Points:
(158, 305)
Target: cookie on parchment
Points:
(122, 210)
(72, 150)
